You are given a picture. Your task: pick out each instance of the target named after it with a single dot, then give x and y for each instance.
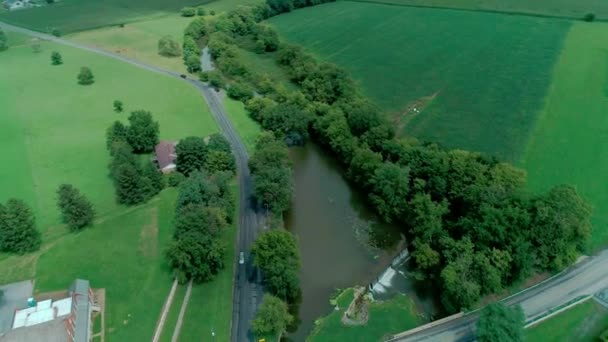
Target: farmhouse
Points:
(66, 319)
(165, 156)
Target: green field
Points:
(558, 8)
(570, 142)
(54, 129)
(478, 79)
(246, 127)
(582, 323)
(78, 15)
(124, 255)
(385, 318)
(139, 40)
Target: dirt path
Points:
(182, 312)
(163, 314)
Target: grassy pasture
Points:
(247, 128)
(465, 79)
(385, 318)
(54, 129)
(139, 40)
(555, 8)
(581, 323)
(79, 15)
(570, 141)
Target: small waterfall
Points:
(384, 282)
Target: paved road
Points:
(586, 278)
(247, 290)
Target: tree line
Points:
(472, 226)
(204, 208)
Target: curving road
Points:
(585, 278)
(247, 290)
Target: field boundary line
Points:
(164, 312)
(182, 312)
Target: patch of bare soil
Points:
(148, 238)
(412, 110)
(54, 295)
(357, 312)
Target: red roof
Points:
(165, 153)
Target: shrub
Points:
(200, 11)
(55, 32)
(203, 76)
(212, 12)
(174, 179)
(118, 106)
(168, 47)
(240, 92)
(85, 77)
(589, 17)
(188, 12)
(215, 80)
(56, 58)
(3, 41)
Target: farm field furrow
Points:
(467, 80)
(570, 140)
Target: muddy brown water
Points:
(340, 243)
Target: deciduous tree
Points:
(56, 58)
(142, 132)
(168, 47)
(3, 41)
(272, 317)
(191, 154)
(76, 210)
(85, 76)
(499, 323)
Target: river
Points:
(340, 243)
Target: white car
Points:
(241, 258)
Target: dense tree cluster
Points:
(271, 170)
(275, 252)
(499, 323)
(76, 210)
(204, 207)
(134, 183)
(168, 47)
(18, 233)
(194, 154)
(195, 30)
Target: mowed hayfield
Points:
(570, 142)
(558, 8)
(54, 131)
(139, 40)
(78, 15)
(468, 80)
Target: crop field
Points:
(78, 15)
(139, 40)
(582, 323)
(465, 79)
(570, 142)
(558, 8)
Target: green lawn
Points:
(210, 307)
(139, 40)
(385, 318)
(79, 15)
(478, 78)
(559, 8)
(173, 314)
(570, 142)
(246, 127)
(54, 129)
(124, 255)
(582, 323)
